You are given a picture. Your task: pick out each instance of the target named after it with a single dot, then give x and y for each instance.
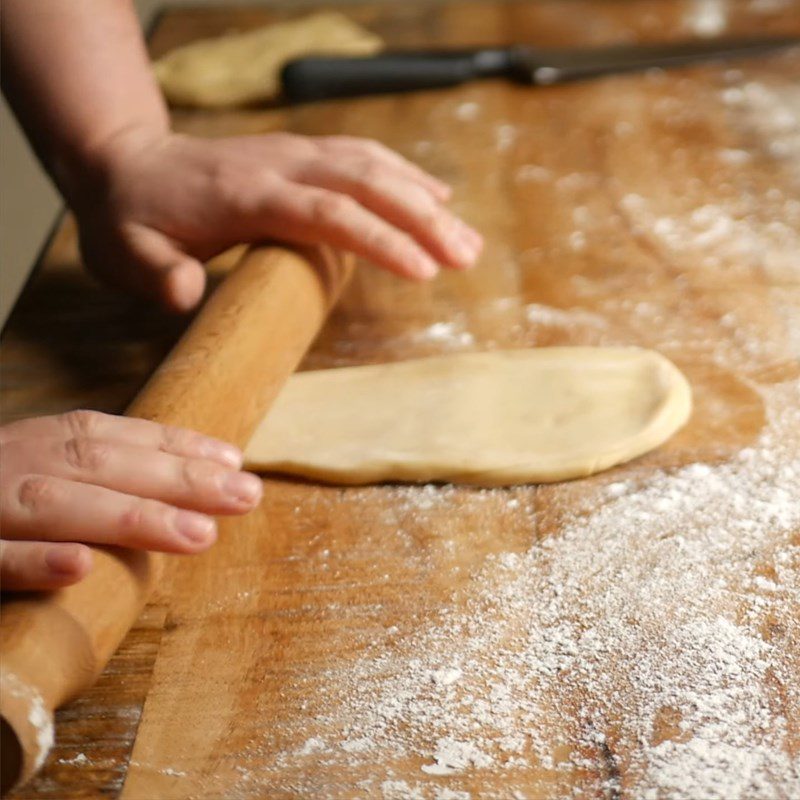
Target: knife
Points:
(320, 78)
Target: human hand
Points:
(101, 479)
(170, 202)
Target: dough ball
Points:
(244, 68)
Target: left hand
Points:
(88, 478)
(167, 202)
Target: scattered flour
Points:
(566, 318)
(453, 756)
(400, 790)
(657, 624)
(731, 234)
(311, 746)
(734, 157)
(505, 136)
(447, 334)
(533, 172)
(446, 676)
(174, 773)
(467, 111)
(707, 17)
(79, 760)
(671, 648)
(772, 114)
(38, 715)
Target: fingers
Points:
(163, 271)
(310, 215)
(191, 483)
(143, 260)
(41, 566)
(396, 193)
(337, 146)
(402, 203)
(59, 510)
(100, 479)
(127, 430)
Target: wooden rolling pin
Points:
(220, 379)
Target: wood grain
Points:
(247, 339)
(259, 635)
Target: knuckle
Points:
(335, 140)
(179, 441)
(283, 138)
(223, 179)
(368, 171)
(172, 439)
(37, 492)
(86, 454)
(82, 424)
(329, 208)
(429, 216)
(196, 475)
(133, 520)
(376, 238)
(237, 186)
(373, 148)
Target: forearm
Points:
(151, 207)
(77, 75)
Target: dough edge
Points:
(672, 414)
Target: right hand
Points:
(168, 202)
(86, 477)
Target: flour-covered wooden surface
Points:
(633, 635)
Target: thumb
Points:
(147, 262)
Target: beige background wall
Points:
(28, 205)
(28, 202)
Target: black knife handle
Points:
(320, 78)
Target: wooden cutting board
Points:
(636, 634)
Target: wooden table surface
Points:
(632, 635)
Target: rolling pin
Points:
(219, 379)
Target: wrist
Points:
(87, 176)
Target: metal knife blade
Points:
(320, 78)
(542, 66)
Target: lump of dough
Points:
(244, 68)
(495, 418)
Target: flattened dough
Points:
(496, 418)
(244, 68)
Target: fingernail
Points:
(426, 268)
(475, 239)
(63, 560)
(224, 452)
(444, 189)
(464, 252)
(197, 528)
(243, 486)
(469, 234)
(464, 249)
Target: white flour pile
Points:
(657, 631)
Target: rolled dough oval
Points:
(492, 419)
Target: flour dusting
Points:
(39, 716)
(671, 648)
